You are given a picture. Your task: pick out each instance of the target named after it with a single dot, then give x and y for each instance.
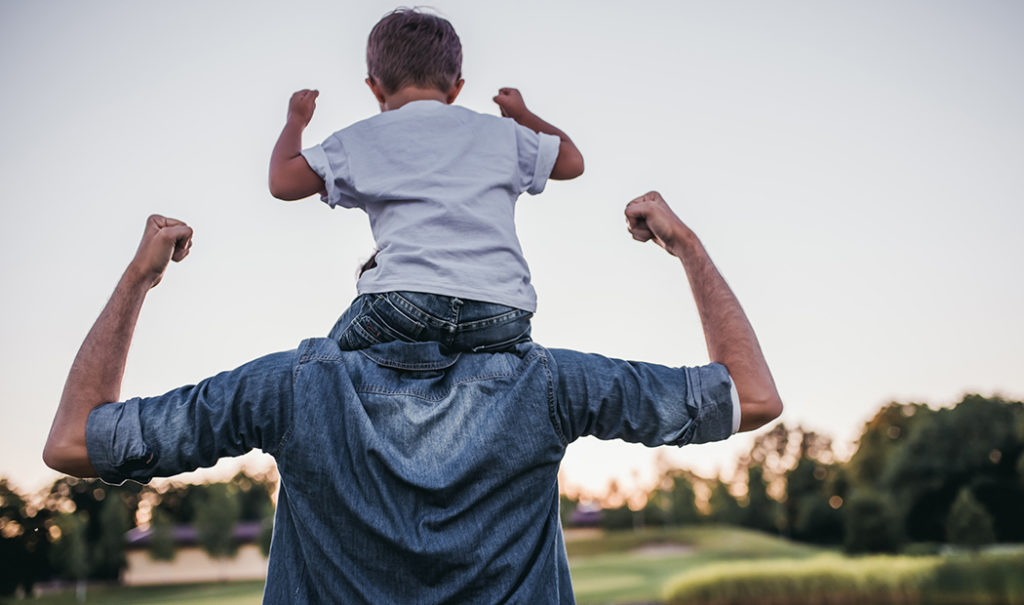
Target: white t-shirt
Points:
(439, 183)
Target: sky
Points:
(855, 169)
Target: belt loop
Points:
(456, 307)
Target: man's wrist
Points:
(684, 243)
(136, 277)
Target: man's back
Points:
(410, 476)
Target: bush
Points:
(834, 580)
(968, 523)
(870, 524)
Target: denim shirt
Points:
(409, 475)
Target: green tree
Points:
(880, 439)
(969, 524)
(70, 554)
(724, 507)
(254, 496)
(108, 550)
(761, 512)
(817, 521)
(162, 546)
(24, 548)
(108, 512)
(216, 518)
(618, 518)
(566, 507)
(976, 444)
(870, 524)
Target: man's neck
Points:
(409, 94)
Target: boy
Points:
(439, 183)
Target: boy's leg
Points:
(490, 328)
(370, 320)
(459, 325)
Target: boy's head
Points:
(411, 48)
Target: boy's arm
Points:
(569, 163)
(291, 178)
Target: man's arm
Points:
(569, 163)
(95, 376)
(730, 338)
(291, 178)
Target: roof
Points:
(186, 535)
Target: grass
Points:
(963, 579)
(225, 593)
(621, 567)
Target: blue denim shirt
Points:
(409, 475)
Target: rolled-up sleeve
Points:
(537, 155)
(640, 402)
(194, 426)
(330, 162)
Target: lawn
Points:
(624, 567)
(230, 593)
(633, 567)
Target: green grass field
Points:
(627, 567)
(633, 567)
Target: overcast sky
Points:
(855, 169)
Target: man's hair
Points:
(409, 47)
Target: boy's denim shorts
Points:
(458, 324)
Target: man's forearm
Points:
(730, 338)
(95, 376)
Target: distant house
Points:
(587, 514)
(191, 563)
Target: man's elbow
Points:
(755, 414)
(67, 459)
(53, 457)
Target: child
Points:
(439, 183)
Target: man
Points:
(409, 474)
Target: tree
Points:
(969, 524)
(71, 552)
(724, 507)
(870, 524)
(761, 512)
(976, 444)
(879, 440)
(108, 551)
(107, 511)
(162, 546)
(817, 521)
(216, 518)
(254, 496)
(24, 548)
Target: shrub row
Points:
(987, 579)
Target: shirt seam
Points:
(552, 403)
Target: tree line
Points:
(918, 479)
(75, 531)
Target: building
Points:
(191, 563)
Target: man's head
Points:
(412, 48)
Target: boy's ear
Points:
(376, 89)
(454, 91)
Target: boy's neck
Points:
(408, 94)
